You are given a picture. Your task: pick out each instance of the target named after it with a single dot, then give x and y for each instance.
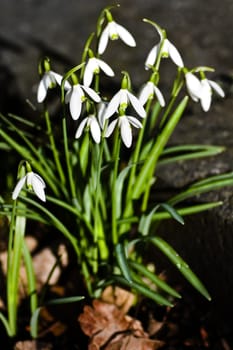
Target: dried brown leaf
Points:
(110, 329)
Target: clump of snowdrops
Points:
(76, 176)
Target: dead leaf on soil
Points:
(111, 329)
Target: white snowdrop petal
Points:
(88, 76)
(193, 85)
(125, 36)
(206, 95)
(126, 131)
(113, 105)
(175, 55)
(103, 42)
(134, 121)
(110, 128)
(145, 93)
(105, 68)
(92, 94)
(38, 186)
(75, 102)
(41, 91)
(137, 105)
(217, 88)
(18, 187)
(151, 58)
(95, 130)
(81, 128)
(58, 78)
(68, 95)
(159, 96)
(101, 112)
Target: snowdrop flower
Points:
(34, 182)
(148, 92)
(124, 123)
(121, 100)
(206, 93)
(49, 80)
(94, 65)
(114, 31)
(194, 86)
(93, 124)
(75, 96)
(168, 50)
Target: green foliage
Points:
(96, 196)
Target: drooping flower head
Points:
(113, 31)
(208, 86)
(76, 95)
(119, 103)
(202, 89)
(193, 85)
(150, 89)
(92, 124)
(163, 49)
(49, 80)
(125, 123)
(122, 99)
(93, 66)
(33, 182)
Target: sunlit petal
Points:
(42, 91)
(217, 88)
(193, 85)
(175, 55)
(146, 93)
(105, 68)
(38, 186)
(103, 42)
(137, 105)
(111, 127)
(151, 58)
(18, 187)
(113, 105)
(125, 36)
(94, 96)
(206, 95)
(88, 76)
(75, 104)
(81, 128)
(126, 131)
(95, 129)
(159, 96)
(134, 121)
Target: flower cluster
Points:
(97, 112)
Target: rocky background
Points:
(203, 32)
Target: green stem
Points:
(68, 163)
(116, 153)
(53, 146)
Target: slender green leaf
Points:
(119, 188)
(154, 278)
(181, 265)
(122, 261)
(207, 185)
(187, 152)
(66, 300)
(34, 322)
(141, 289)
(6, 324)
(149, 165)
